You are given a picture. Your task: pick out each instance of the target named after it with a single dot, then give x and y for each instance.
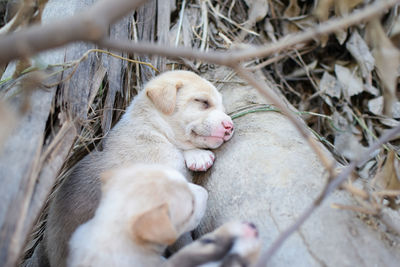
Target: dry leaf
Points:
(293, 10)
(387, 58)
(366, 171)
(339, 122)
(304, 70)
(396, 110)
(329, 85)
(258, 9)
(388, 177)
(343, 7)
(322, 9)
(349, 146)
(269, 29)
(376, 105)
(360, 51)
(351, 84)
(371, 89)
(395, 32)
(341, 36)
(389, 122)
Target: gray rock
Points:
(267, 174)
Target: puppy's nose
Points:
(228, 125)
(251, 229)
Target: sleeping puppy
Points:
(143, 209)
(173, 121)
(233, 244)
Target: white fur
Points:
(106, 239)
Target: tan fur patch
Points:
(155, 226)
(163, 95)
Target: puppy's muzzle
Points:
(224, 130)
(228, 126)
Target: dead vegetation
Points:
(336, 62)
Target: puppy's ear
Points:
(163, 95)
(155, 226)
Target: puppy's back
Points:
(74, 203)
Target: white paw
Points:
(198, 159)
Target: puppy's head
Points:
(232, 244)
(153, 204)
(193, 108)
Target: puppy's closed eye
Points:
(204, 102)
(206, 241)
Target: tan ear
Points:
(155, 226)
(163, 95)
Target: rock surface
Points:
(267, 174)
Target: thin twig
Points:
(355, 209)
(76, 63)
(329, 188)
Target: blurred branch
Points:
(328, 27)
(90, 25)
(232, 57)
(329, 188)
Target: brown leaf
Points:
(387, 58)
(343, 7)
(323, 8)
(293, 10)
(341, 36)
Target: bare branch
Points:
(331, 186)
(328, 27)
(90, 25)
(231, 57)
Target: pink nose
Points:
(228, 125)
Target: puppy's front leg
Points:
(198, 159)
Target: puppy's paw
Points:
(199, 159)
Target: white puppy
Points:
(143, 209)
(173, 121)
